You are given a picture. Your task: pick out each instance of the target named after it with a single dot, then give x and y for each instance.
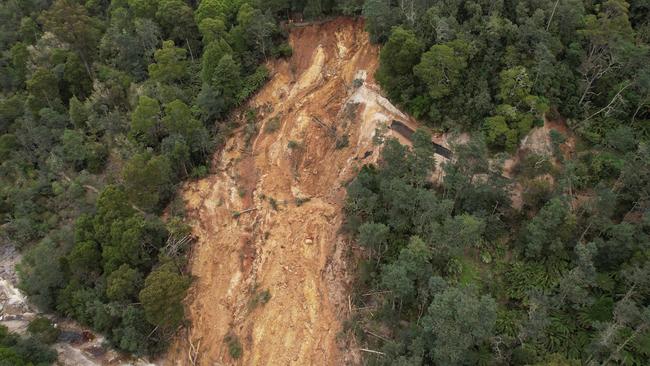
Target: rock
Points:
(309, 241)
(71, 337)
(95, 351)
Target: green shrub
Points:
(199, 172)
(42, 329)
(253, 83)
(97, 157)
(533, 165)
(259, 298)
(8, 144)
(522, 277)
(606, 165)
(283, 50)
(342, 142)
(15, 350)
(508, 322)
(235, 348)
(536, 193)
(272, 125)
(557, 139)
(621, 138)
(524, 355)
(299, 201)
(274, 203)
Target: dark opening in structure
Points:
(407, 132)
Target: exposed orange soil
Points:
(296, 251)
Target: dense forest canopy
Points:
(28, 351)
(453, 274)
(106, 106)
(500, 65)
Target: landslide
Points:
(269, 216)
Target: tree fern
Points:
(509, 322)
(566, 337)
(599, 311)
(526, 276)
(558, 334)
(637, 351)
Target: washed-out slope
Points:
(269, 217)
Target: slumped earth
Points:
(270, 215)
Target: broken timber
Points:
(407, 132)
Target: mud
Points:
(270, 216)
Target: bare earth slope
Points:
(324, 92)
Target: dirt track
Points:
(324, 92)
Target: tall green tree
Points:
(178, 120)
(226, 81)
(148, 180)
(123, 284)
(459, 322)
(211, 57)
(129, 43)
(44, 86)
(41, 274)
(374, 237)
(550, 232)
(441, 66)
(380, 18)
(176, 18)
(71, 23)
(146, 124)
(398, 57)
(171, 64)
(608, 35)
(162, 296)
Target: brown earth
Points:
(324, 92)
(537, 141)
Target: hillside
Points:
(269, 217)
(336, 182)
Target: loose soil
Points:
(270, 216)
